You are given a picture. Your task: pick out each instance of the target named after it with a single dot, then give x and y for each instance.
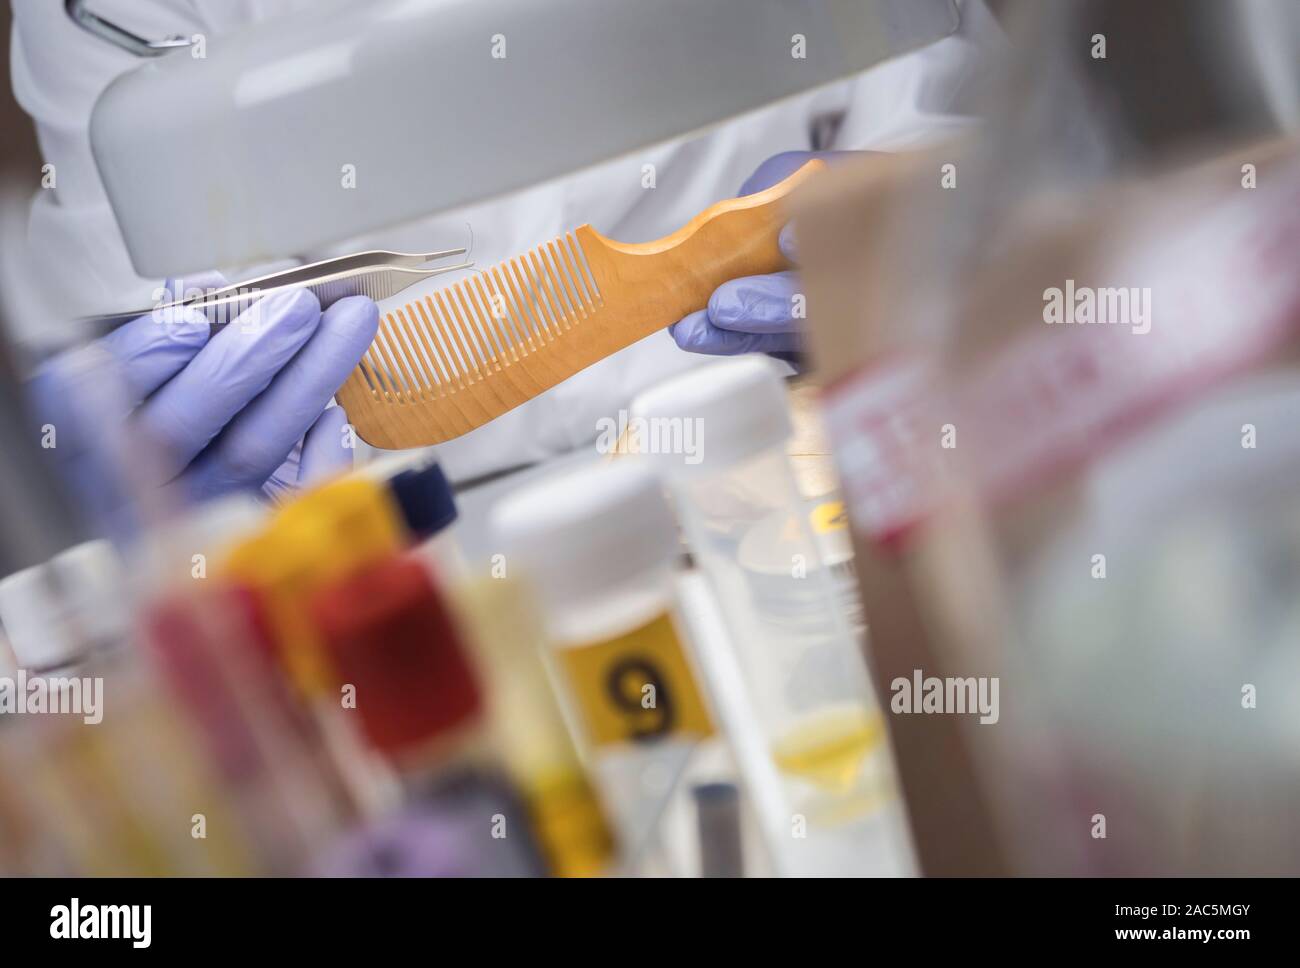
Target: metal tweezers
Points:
(377, 274)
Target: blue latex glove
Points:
(242, 408)
(753, 314)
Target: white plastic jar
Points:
(598, 545)
(717, 436)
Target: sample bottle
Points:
(428, 508)
(598, 545)
(393, 642)
(60, 613)
(323, 537)
(758, 542)
(426, 501)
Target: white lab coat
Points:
(76, 250)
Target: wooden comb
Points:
(463, 355)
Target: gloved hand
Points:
(242, 408)
(753, 314)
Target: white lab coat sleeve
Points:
(927, 96)
(67, 257)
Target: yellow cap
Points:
(284, 564)
(323, 536)
(360, 516)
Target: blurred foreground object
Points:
(598, 544)
(1057, 360)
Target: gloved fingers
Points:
(226, 375)
(77, 406)
(321, 454)
(696, 334)
(757, 304)
(282, 485)
(786, 243)
(153, 348)
(150, 352)
(257, 439)
(326, 449)
(780, 167)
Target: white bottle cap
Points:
(739, 408)
(579, 532)
(93, 593)
(36, 620)
(57, 612)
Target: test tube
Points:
(718, 817)
(288, 795)
(529, 728)
(758, 542)
(131, 795)
(598, 544)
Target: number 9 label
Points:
(636, 688)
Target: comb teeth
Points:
(456, 336)
(460, 357)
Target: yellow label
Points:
(570, 824)
(636, 688)
(829, 516)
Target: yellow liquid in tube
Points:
(830, 748)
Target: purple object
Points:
(413, 844)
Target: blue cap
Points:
(425, 499)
